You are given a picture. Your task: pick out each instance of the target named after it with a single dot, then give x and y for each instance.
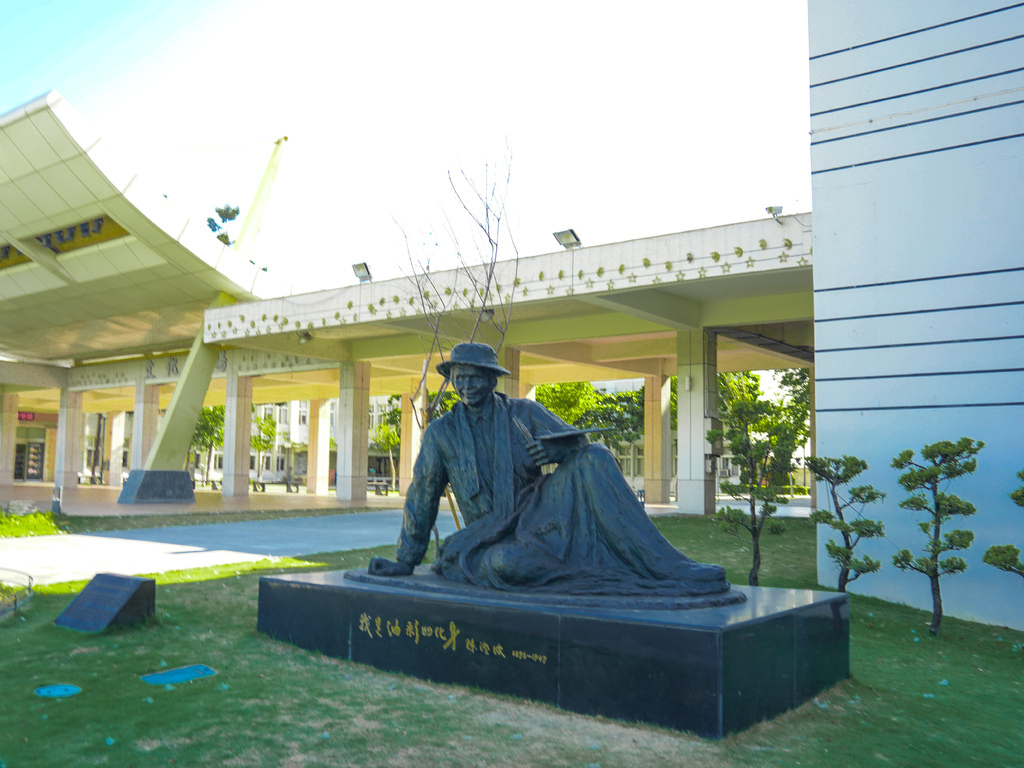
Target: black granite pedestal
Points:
(710, 670)
(156, 486)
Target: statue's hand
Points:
(380, 566)
(547, 452)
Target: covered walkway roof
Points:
(94, 262)
(599, 313)
(96, 266)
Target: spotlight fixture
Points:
(775, 211)
(362, 272)
(568, 239)
(304, 336)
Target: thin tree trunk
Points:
(936, 606)
(755, 540)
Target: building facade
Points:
(917, 163)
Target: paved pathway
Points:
(53, 559)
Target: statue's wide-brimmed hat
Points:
(470, 353)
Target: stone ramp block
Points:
(110, 599)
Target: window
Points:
(624, 456)
(282, 414)
(303, 413)
(252, 462)
(266, 462)
(638, 462)
(218, 463)
(280, 463)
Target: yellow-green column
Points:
(510, 384)
(113, 448)
(352, 431)
(657, 439)
(163, 477)
(698, 402)
(70, 422)
(318, 455)
(8, 433)
(237, 429)
(412, 434)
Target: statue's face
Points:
(473, 384)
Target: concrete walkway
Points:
(55, 559)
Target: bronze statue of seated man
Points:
(577, 530)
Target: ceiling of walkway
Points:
(93, 261)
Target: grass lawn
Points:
(913, 700)
(35, 524)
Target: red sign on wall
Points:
(23, 416)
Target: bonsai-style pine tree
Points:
(836, 473)
(761, 440)
(940, 463)
(1006, 557)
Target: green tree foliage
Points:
(225, 214)
(622, 411)
(442, 404)
(387, 439)
(568, 401)
(208, 434)
(940, 463)
(582, 406)
(796, 404)
(264, 430)
(836, 473)
(1006, 557)
(762, 440)
(393, 415)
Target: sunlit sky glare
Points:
(621, 121)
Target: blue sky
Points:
(620, 123)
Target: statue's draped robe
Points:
(577, 530)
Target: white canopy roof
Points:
(93, 261)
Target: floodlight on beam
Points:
(568, 239)
(362, 272)
(775, 211)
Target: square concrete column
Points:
(237, 431)
(657, 439)
(510, 384)
(412, 434)
(113, 442)
(8, 435)
(698, 401)
(352, 431)
(70, 421)
(318, 452)
(145, 421)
